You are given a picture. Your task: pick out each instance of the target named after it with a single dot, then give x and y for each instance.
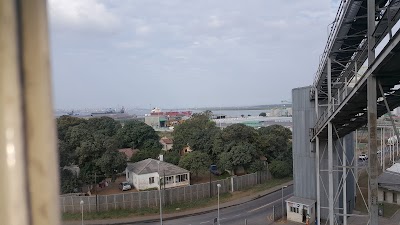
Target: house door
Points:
(304, 214)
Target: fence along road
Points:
(149, 199)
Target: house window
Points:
(151, 180)
(394, 197)
(181, 178)
(294, 209)
(169, 180)
(384, 196)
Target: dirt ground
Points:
(113, 188)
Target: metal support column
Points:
(330, 148)
(372, 121)
(344, 160)
(317, 164)
(355, 167)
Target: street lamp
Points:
(218, 186)
(159, 191)
(82, 209)
(283, 210)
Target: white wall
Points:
(143, 181)
(389, 196)
(298, 217)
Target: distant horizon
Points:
(175, 108)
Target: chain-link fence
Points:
(278, 212)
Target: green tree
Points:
(69, 182)
(98, 154)
(195, 162)
(65, 122)
(236, 135)
(111, 163)
(275, 143)
(280, 169)
(134, 134)
(276, 129)
(198, 132)
(241, 154)
(104, 125)
(172, 157)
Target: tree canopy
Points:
(135, 134)
(236, 146)
(92, 145)
(195, 162)
(198, 132)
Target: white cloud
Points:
(142, 30)
(82, 15)
(215, 22)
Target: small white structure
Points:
(167, 143)
(146, 174)
(389, 185)
(300, 210)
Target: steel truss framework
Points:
(341, 108)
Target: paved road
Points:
(258, 211)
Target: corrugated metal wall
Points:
(304, 172)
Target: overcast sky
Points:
(184, 53)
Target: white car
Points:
(124, 186)
(363, 157)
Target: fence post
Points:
(273, 213)
(232, 184)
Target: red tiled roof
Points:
(128, 152)
(167, 141)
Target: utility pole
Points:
(372, 120)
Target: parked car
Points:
(214, 170)
(124, 186)
(363, 157)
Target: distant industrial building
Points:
(159, 119)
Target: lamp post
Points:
(283, 210)
(218, 186)
(159, 191)
(82, 209)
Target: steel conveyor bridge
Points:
(356, 82)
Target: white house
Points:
(389, 185)
(147, 173)
(300, 210)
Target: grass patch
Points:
(124, 213)
(112, 214)
(183, 206)
(390, 209)
(270, 183)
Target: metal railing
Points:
(332, 35)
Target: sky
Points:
(184, 53)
